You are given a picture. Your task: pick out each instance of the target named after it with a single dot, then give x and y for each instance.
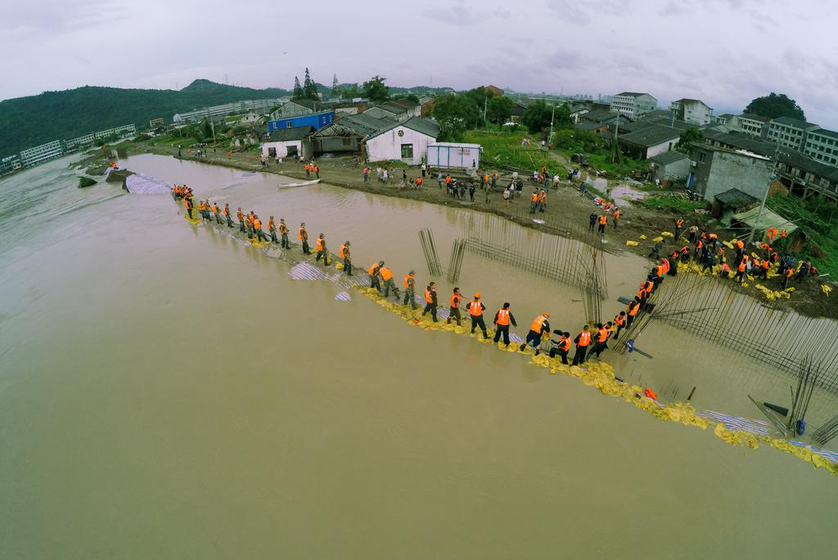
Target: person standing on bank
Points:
(283, 232)
(582, 340)
(346, 255)
(322, 251)
(454, 310)
(539, 327)
(410, 289)
(303, 237)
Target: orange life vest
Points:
(303, 235)
(372, 271)
(503, 318)
(455, 301)
(407, 279)
(240, 215)
(543, 198)
(603, 220)
(428, 296)
(475, 309)
(385, 273)
(564, 344)
(538, 323)
(584, 338)
(214, 208)
(602, 335)
(633, 309)
(534, 197)
(283, 229)
(257, 224)
(620, 320)
(344, 251)
(617, 214)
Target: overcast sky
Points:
(724, 52)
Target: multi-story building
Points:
(753, 125)
(693, 111)
(79, 142)
(822, 144)
(789, 132)
(9, 164)
(42, 153)
(124, 130)
(632, 104)
(261, 106)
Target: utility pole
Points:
(212, 124)
(765, 196)
(485, 106)
(552, 118)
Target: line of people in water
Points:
(588, 342)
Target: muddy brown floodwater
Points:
(168, 392)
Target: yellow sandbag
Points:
(339, 266)
(826, 289)
(642, 237)
(656, 239)
(631, 243)
(667, 234)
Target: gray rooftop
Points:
(423, 126)
(794, 122)
(665, 158)
(651, 135)
(736, 199)
(291, 134)
(755, 117)
(632, 94)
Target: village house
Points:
(717, 170)
(647, 140)
(314, 120)
(669, 166)
(692, 111)
(405, 141)
(789, 132)
(632, 104)
(753, 125)
(288, 143)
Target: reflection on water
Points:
(168, 392)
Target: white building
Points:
(42, 153)
(822, 145)
(789, 132)
(453, 154)
(633, 105)
(79, 141)
(753, 125)
(261, 106)
(406, 141)
(693, 111)
(121, 131)
(287, 143)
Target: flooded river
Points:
(168, 392)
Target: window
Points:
(407, 151)
(289, 124)
(702, 156)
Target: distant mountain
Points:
(29, 121)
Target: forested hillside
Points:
(29, 121)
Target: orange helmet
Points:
(546, 314)
(476, 295)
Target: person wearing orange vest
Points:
(257, 229)
(240, 217)
(227, 216)
(789, 273)
(725, 271)
(475, 310)
(678, 225)
(215, 213)
(542, 200)
(303, 237)
(454, 310)
(346, 255)
(620, 321)
(740, 270)
(187, 204)
(272, 229)
(616, 217)
(603, 221)
(764, 266)
(582, 340)
(430, 301)
(502, 319)
(533, 202)
(283, 234)
(308, 170)
(317, 170)
(387, 276)
(249, 224)
(539, 326)
(560, 347)
(600, 340)
(642, 294)
(375, 275)
(410, 289)
(632, 310)
(322, 250)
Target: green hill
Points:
(34, 120)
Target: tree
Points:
(456, 114)
(561, 118)
(298, 90)
(499, 109)
(775, 105)
(350, 92)
(693, 135)
(335, 88)
(206, 130)
(375, 90)
(537, 116)
(409, 96)
(309, 87)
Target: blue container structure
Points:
(316, 120)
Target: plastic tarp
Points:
(768, 219)
(144, 184)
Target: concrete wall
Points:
(677, 170)
(652, 151)
(388, 146)
(282, 148)
(722, 171)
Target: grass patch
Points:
(86, 182)
(816, 218)
(673, 202)
(504, 150)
